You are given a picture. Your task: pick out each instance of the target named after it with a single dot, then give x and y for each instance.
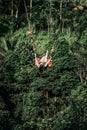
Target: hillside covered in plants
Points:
(55, 98)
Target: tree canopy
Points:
(55, 99)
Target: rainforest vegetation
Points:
(56, 98)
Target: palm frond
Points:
(3, 44)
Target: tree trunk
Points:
(61, 17)
(30, 8)
(28, 20)
(12, 10)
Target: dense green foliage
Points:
(55, 99)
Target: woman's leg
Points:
(46, 57)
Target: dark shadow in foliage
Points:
(3, 29)
(8, 107)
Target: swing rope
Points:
(52, 49)
(33, 45)
(34, 49)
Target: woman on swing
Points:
(44, 61)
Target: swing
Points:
(39, 62)
(44, 61)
